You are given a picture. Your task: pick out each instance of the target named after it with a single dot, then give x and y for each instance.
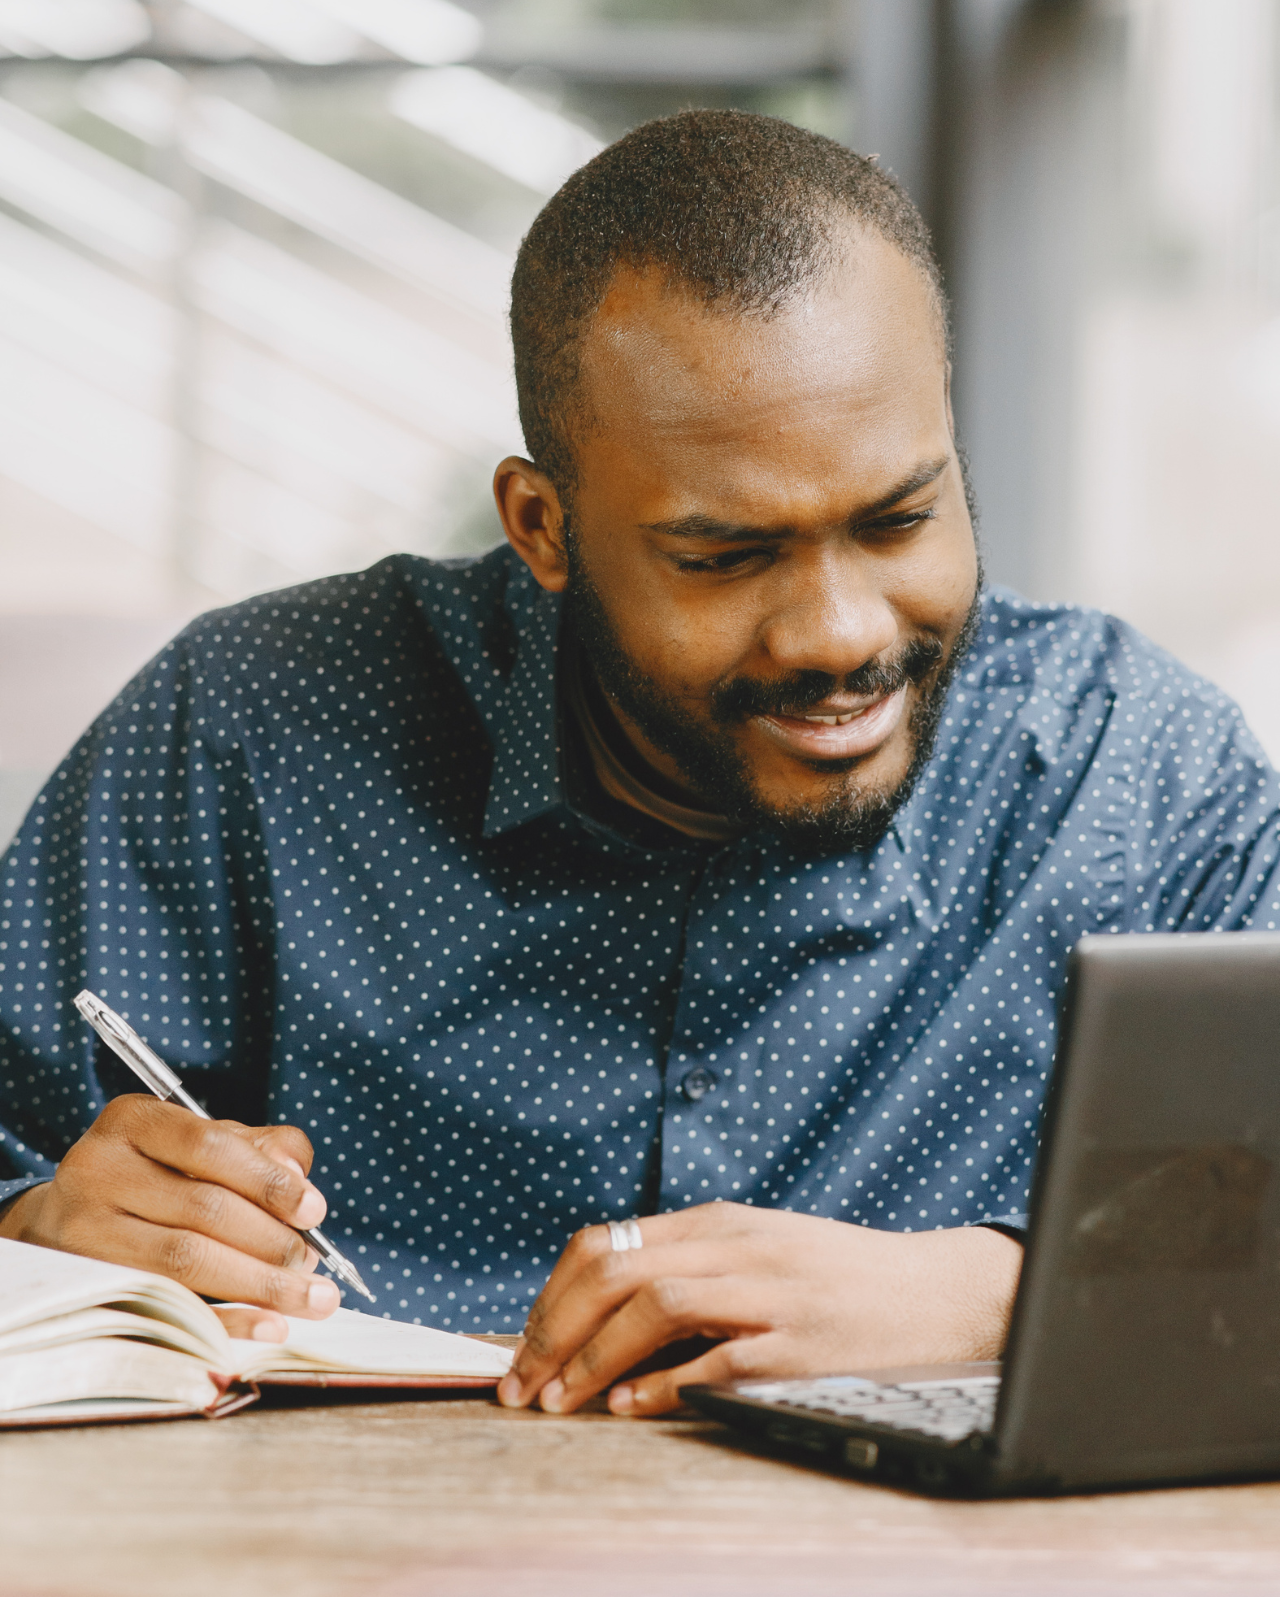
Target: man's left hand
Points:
(781, 1295)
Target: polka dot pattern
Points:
(325, 854)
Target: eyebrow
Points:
(700, 526)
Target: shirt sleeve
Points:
(1205, 839)
(1010, 1225)
(9, 1190)
(140, 872)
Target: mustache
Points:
(746, 697)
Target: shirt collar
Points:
(524, 719)
(519, 707)
(526, 779)
(1051, 705)
(499, 630)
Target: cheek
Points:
(934, 587)
(694, 641)
(679, 633)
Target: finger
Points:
(665, 1309)
(214, 1270)
(741, 1359)
(706, 1220)
(210, 1152)
(162, 1197)
(535, 1360)
(286, 1144)
(593, 1241)
(590, 1244)
(582, 1249)
(252, 1325)
(557, 1330)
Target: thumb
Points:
(252, 1325)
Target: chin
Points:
(853, 808)
(833, 817)
(808, 785)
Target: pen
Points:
(123, 1041)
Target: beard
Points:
(850, 817)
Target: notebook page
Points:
(38, 1284)
(88, 1325)
(104, 1369)
(364, 1345)
(93, 1410)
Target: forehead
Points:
(862, 346)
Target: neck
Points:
(658, 770)
(631, 771)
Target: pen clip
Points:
(123, 1041)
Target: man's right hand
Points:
(210, 1203)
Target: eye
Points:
(904, 521)
(730, 560)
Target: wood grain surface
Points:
(324, 1496)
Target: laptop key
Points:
(945, 1411)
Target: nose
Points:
(828, 616)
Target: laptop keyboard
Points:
(949, 1410)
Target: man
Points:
(709, 854)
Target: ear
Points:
(532, 520)
(951, 417)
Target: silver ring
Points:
(624, 1236)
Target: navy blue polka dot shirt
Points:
(329, 854)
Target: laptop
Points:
(1145, 1342)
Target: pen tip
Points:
(353, 1278)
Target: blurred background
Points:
(254, 255)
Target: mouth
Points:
(835, 731)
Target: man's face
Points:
(771, 565)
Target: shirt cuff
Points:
(9, 1190)
(1008, 1225)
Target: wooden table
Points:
(460, 1498)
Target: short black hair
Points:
(740, 209)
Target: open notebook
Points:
(81, 1340)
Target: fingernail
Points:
(303, 1261)
(322, 1297)
(268, 1331)
(294, 1165)
(621, 1400)
(311, 1210)
(552, 1395)
(509, 1391)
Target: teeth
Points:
(834, 720)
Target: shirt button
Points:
(698, 1083)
